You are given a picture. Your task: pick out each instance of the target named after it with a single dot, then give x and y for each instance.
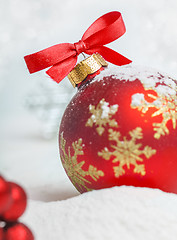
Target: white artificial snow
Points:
(147, 76)
(113, 108)
(137, 99)
(165, 90)
(126, 213)
(106, 110)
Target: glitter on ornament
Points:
(127, 152)
(101, 116)
(74, 169)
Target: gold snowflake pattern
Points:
(166, 106)
(74, 168)
(127, 152)
(101, 116)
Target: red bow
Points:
(63, 57)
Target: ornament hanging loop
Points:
(83, 55)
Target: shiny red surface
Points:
(161, 168)
(1, 234)
(18, 205)
(18, 231)
(5, 195)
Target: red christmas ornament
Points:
(5, 195)
(18, 205)
(18, 231)
(1, 233)
(120, 129)
(12, 205)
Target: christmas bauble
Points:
(1, 233)
(120, 129)
(18, 205)
(5, 195)
(18, 231)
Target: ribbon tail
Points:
(60, 70)
(113, 56)
(110, 55)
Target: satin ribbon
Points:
(63, 57)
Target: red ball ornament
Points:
(5, 195)
(18, 231)
(1, 233)
(18, 205)
(121, 129)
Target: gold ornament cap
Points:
(88, 66)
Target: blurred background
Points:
(31, 106)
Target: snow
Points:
(137, 99)
(165, 90)
(149, 77)
(115, 213)
(106, 110)
(56, 210)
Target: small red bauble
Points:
(18, 205)
(1, 234)
(5, 195)
(121, 129)
(18, 231)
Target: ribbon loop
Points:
(104, 30)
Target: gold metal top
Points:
(88, 66)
